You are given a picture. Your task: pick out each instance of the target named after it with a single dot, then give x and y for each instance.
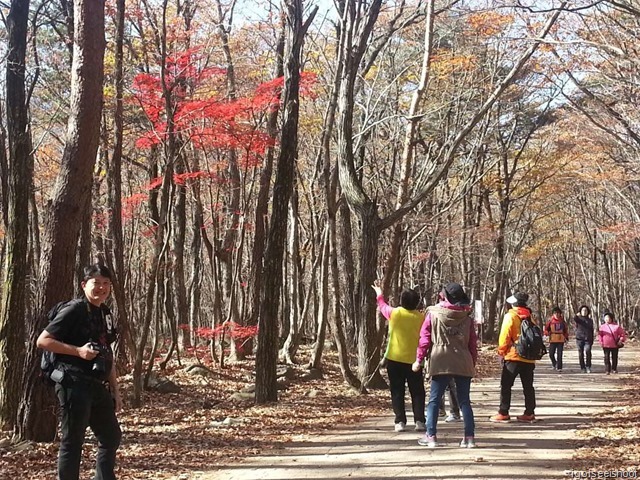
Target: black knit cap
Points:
(519, 299)
(454, 293)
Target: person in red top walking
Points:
(558, 332)
(612, 337)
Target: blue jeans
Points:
(438, 386)
(584, 350)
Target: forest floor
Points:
(320, 429)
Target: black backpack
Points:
(48, 359)
(530, 345)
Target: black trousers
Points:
(399, 373)
(610, 359)
(510, 370)
(87, 404)
(555, 354)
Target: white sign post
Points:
(478, 318)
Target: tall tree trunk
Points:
(18, 183)
(345, 251)
(126, 347)
(226, 252)
(262, 202)
(408, 149)
(4, 175)
(323, 309)
(36, 420)
(335, 318)
(355, 35)
(153, 276)
(292, 341)
(267, 352)
(195, 282)
(369, 346)
(178, 238)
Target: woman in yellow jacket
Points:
(404, 333)
(514, 364)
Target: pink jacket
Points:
(609, 333)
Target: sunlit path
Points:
(372, 450)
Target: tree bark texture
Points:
(18, 181)
(72, 191)
(267, 352)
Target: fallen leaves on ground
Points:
(174, 436)
(611, 442)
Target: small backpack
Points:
(48, 359)
(530, 345)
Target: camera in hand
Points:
(99, 364)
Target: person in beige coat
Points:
(448, 341)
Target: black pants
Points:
(555, 354)
(399, 373)
(610, 359)
(87, 404)
(584, 352)
(510, 370)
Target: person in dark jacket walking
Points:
(584, 337)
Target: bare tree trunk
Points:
(126, 346)
(292, 341)
(36, 419)
(408, 150)
(267, 352)
(4, 175)
(16, 217)
(195, 282)
(153, 275)
(345, 251)
(335, 318)
(262, 203)
(369, 346)
(226, 252)
(323, 310)
(178, 233)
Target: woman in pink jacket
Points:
(612, 337)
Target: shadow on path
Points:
(372, 450)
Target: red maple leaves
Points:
(199, 113)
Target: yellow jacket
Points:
(510, 332)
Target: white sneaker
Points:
(400, 426)
(452, 418)
(420, 426)
(429, 441)
(588, 370)
(468, 442)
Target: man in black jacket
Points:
(80, 335)
(584, 337)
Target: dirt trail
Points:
(372, 450)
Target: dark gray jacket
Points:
(584, 328)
